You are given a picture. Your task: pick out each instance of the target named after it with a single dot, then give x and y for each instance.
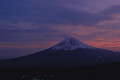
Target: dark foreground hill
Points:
(108, 71)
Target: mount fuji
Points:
(70, 44)
(69, 52)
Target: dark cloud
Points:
(48, 14)
(112, 10)
(60, 15)
(18, 35)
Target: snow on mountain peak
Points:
(70, 44)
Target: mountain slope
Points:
(69, 52)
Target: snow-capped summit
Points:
(70, 44)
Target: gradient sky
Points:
(28, 26)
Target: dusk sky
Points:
(28, 26)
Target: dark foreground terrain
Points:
(110, 71)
